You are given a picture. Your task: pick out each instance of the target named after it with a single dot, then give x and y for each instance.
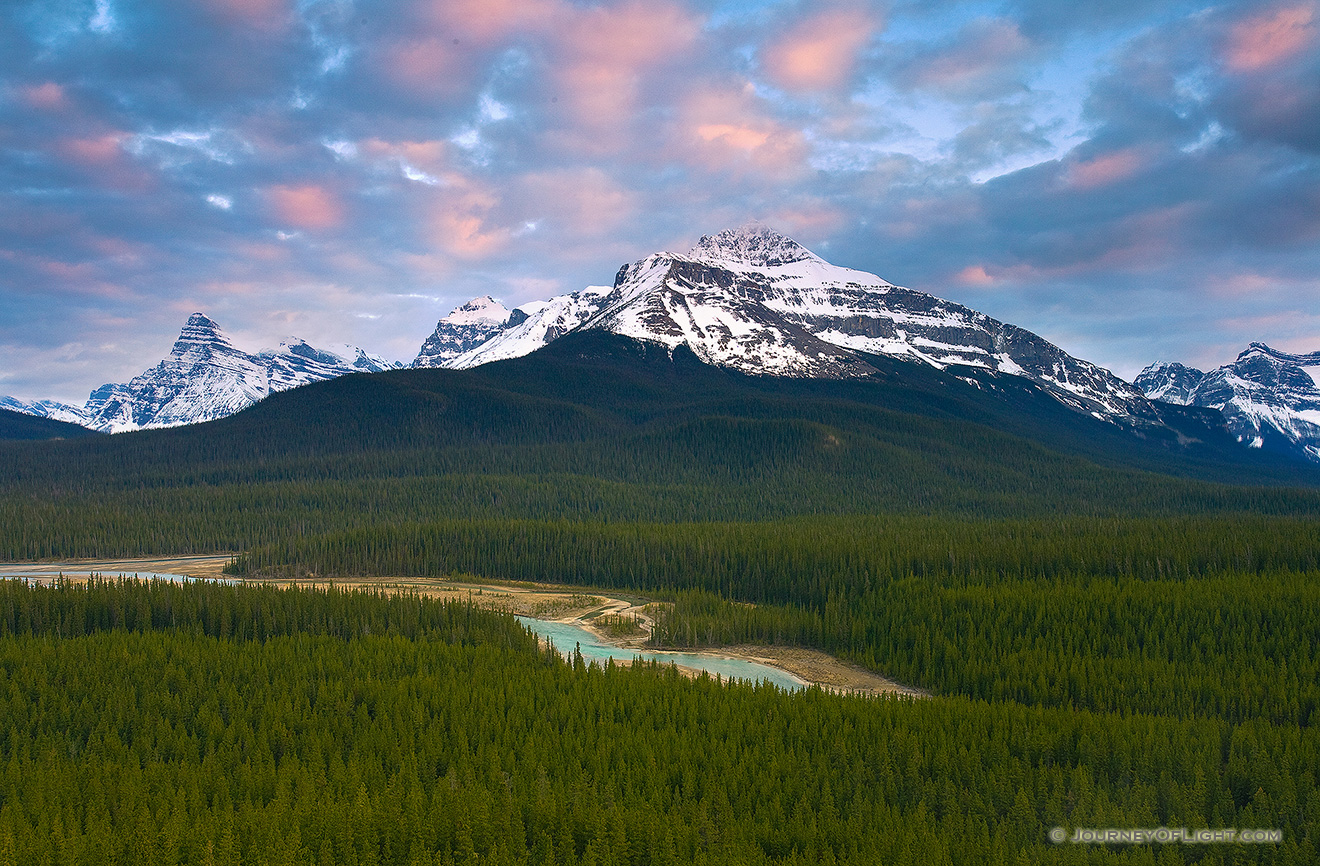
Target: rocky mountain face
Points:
(757, 301)
(466, 328)
(203, 378)
(533, 325)
(1169, 382)
(1269, 398)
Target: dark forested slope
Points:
(598, 427)
(18, 425)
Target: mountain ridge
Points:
(755, 300)
(204, 377)
(1268, 397)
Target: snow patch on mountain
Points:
(1268, 397)
(205, 377)
(45, 409)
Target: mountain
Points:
(1169, 382)
(204, 377)
(533, 325)
(464, 329)
(1269, 398)
(753, 300)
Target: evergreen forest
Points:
(1119, 626)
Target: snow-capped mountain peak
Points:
(1269, 398)
(206, 377)
(533, 325)
(200, 337)
(479, 311)
(1169, 382)
(465, 328)
(754, 244)
(756, 301)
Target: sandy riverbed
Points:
(541, 601)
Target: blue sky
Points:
(1135, 181)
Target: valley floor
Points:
(539, 600)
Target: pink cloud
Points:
(735, 136)
(430, 157)
(77, 278)
(583, 201)
(462, 224)
(488, 22)
(98, 151)
(1105, 169)
(807, 218)
(604, 56)
(306, 207)
(427, 153)
(821, 52)
(974, 275)
(48, 96)
(102, 159)
(1271, 38)
(727, 130)
(631, 36)
(426, 65)
(985, 51)
(263, 252)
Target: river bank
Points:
(553, 603)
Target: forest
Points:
(205, 723)
(1118, 626)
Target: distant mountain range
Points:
(747, 299)
(204, 377)
(1268, 398)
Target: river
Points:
(566, 635)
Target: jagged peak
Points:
(484, 310)
(200, 330)
(752, 243)
(1256, 347)
(1170, 367)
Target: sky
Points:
(1135, 180)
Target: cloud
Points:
(307, 206)
(427, 65)
(581, 203)
(819, 52)
(604, 59)
(984, 59)
(731, 130)
(974, 275)
(1105, 169)
(1273, 90)
(47, 96)
(259, 14)
(463, 223)
(489, 22)
(1270, 38)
